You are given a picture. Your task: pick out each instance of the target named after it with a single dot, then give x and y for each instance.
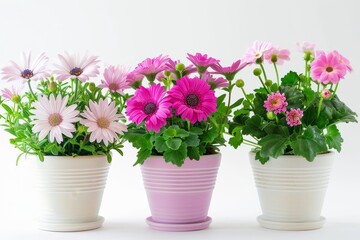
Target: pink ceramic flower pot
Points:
(179, 197)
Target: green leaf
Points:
(237, 138)
(209, 136)
(142, 155)
(237, 103)
(108, 157)
(196, 131)
(273, 145)
(310, 96)
(310, 143)
(294, 97)
(258, 156)
(192, 140)
(7, 108)
(176, 157)
(144, 142)
(89, 148)
(160, 144)
(181, 133)
(259, 104)
(333, 137)
(290, 79)
(253, 127)
(169, 133)
(193, 153)
(220, 99)
(173, 143)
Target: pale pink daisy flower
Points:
(257, 51)
(115, 79)
(219, 82)
(277, 55)
(74, 66)
(343, 60)
(102, 121)
(152, 66)
(202, 62)
(52, 115)
(30, 69)
(12, 94)
(150, 105)
(276, 102)
(306, 47)
(293, 117)
(327, 68)
(134, 79)
(230, 71)
(326, 94)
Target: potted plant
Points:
(178, 127)
(67, 128)
(292, 123)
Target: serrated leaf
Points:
(193, 153)
(196, 131)
(160, 144)
(209, 136)
(333, 138)
(169, 133)
(144, 142)
(142, 155)
(236, 138)
(259, 104)
(294, 97)
(309, 95)
(273, 145)
(310, 143)
(253, 127)
(262, 160)
(176, 157)
(181, 133)
(290, 79)
(192, 140)
(173, 143)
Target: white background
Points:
(126, 32)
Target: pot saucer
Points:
(71, 227)
(178, 227)
(291, 226)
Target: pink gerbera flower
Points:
(257, 51)
(276, 102)
(30, 69)
(202, 62)
(73, 66)
(277, 55)
(149, 105)
(115, 79)
(219, 82)
(343, 60)
(52, 115)
(171, 66)
(307, 48)
(102, 121)
(327, 68)
(193, 99)
(12, 94)
(294, 116)
(134, 79)
(230, 71)
(152, 66)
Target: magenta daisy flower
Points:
(115, 79)
(215, 82)
(12, 94)
(149, 105)
(257, 51)
(73, 66)
(307, 48)
(134, 79)
(102, 121)
(171, 67)
(152, 66)
(294, 116)
(52, 115)
(30, 69)
(193, 99)
(276, 102)
(230, 71)
(202, 62)
(277, 55)
(327, 68)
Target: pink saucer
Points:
(178, 227)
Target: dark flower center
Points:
(192, 100)
(55, 119)
(150, 108)
(76, 71)
(113, 87)
(27, 73)
(103, 122)
(329, 69)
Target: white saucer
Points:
(178, 227)
(71, 227)
(291, 226)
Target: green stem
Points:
(263, 70)
(251, 143)
(277, 74)
(318, 87)
(319, 108)
(262, 82)
(336, 88)
(245, 95)
(227, 109)
(76, 88)
(31, 90)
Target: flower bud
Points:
(307, 56)
(81, 129)
(15, 98)
(92, 87)
(167, 73)
(259, 60)
(268, 83)
(52, 86)
(274, 87)
(180, 67)
(270, 115)
(274, 58)
(240, 83)
(326, 94)
(257, 72)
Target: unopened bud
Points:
(326, 94)
(92, 87)
(270, 115)
(15, 98)
(167, 73)
(268, 83)
(240, 83)
(257, 71)
(180, 67)
(52, 86)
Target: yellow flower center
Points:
(55, 119)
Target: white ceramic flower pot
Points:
(69, 191)
(291, 191)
